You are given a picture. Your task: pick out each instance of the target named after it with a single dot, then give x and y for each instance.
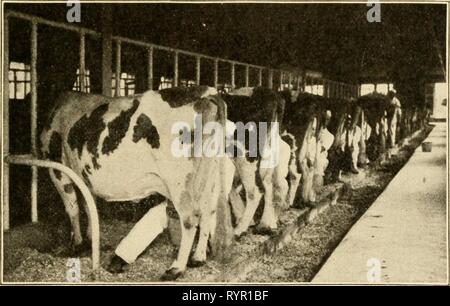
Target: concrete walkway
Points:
(402, 237)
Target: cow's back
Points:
(121, 147)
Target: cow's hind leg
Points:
(66, 190)
(247, 172)
(268, 222)
(188, 230)
(294, 181)
(207, 221)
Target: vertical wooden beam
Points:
(197, 70)
(270, 79)
(106, 23)
(150, 68)
(34, 170)
(82, 62)
(216, 73)
(247, 77)
(281, 81)
(175, 69)
(260, 77)
(5, 123)
(303, 81)
(233, 75)
(362, 157)
(290, 81)
(118, 66)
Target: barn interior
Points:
(406, 51)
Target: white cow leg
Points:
(199, 257)
(66, 190)
(206, 227)
(294, 181)
(247, 172)
(187, 239)
(307, 182)
(237, 205)
(143, 233)
(268, 221)
(280, 190)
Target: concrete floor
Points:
(402, 237)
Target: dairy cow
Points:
(306, 119)
(347, 127)
(261, 156)
(123, 149)
(376, 107)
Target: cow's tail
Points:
(223, 232)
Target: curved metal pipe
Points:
(29, 160)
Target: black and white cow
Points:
(261, 165)
(123, 149)
(376, 108)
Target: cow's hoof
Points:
(239, 235)
(354, 170)
(171, 274)
(80, 250)
(264, 230)
(194, 263)
(117, 265)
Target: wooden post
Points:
(281, 87)
(216, 73)
(270, 79)
(106, 20)
(362, 157)
(175, 69)
(5, 123)
(82, 62)
(233, 75)
(150, 68)
(118, 67)
(260, 77)
(34, 170)
(290, 81)
(197, 70)
(247, 78)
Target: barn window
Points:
(367, 89)
(187, 83)
(87, 81)
(127, 84)
(225, 87)
(320, 90)
(165, 83)
(309, 89)
(19, 80)
(382, 88)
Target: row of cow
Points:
(123, 149)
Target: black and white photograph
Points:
(224, 143)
